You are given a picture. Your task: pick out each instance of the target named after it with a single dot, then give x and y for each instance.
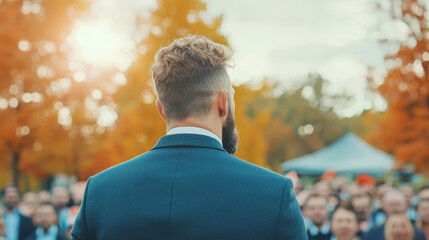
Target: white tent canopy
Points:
(348, 155)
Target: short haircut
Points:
(187, 73)
(346, 206)
(424, 188)
(361, 195)
(10, 186)
(312, 196)
(47, 205)
(394, 191)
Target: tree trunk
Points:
(15, 169)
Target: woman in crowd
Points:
(398, 227)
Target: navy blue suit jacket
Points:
(188, 187)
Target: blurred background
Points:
(321, 85)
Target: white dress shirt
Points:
(194, 130)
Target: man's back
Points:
(188, 187)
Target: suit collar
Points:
(188, 140)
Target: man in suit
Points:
(17, 225)
(188, 186)
(46, 219)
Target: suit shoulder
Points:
(257, 171)
(119, 168)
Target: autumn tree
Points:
(39, 91)
(139, 126)
(304, 120)
(404, 130)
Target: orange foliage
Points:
(404, 131)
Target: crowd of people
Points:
(333, 209)
(39, 216)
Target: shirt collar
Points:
(193, 130)
(52, 232)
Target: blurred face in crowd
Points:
(394, 202)
(322, 188)
(60, 197)
(301, 197)
(423, 211)
(316, 209)
(2, 226)
(44, 197)
(408, 191)
(45, 216)
(11, 198)
(362, 205)
(381, 190)
(344, 224)
(424, 194)
(77, 191)
(398, 227)
(29, 203)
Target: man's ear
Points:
(160, 110)
(222, 99)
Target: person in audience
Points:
(76, 192)
(28, 204)
(361, 203)
(344, 223)
(60, 200)
(17, 225)
(399, 227)
(409, 193)
(394, 201)
(316, 210)
(423, 193)
(43, 197)
(2, 226)
(378, 217)
(322, 188)
(46, 220)
(423, 212)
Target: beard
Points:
(230, 135)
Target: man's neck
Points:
(319, 225)
(10, 210)
(199, 123)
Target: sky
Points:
(287, 39)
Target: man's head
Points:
(60, 197)
(394, 201)
(408, 191)
(423, 193)
(344, 223)
(45, 216)
(10, 197)
(362, 205)
(323, 188)
(192, 83)
(316, 208)
(423, 211)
